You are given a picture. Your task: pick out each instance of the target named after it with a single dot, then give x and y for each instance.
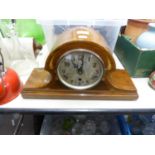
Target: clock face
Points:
(80, 69)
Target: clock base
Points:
(117, 85)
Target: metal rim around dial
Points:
(80, 87)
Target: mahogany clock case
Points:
(44, 82)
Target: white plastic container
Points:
(18, 54)
(108, 28)
(147, 39)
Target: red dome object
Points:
(10, 86)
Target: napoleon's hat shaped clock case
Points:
(80, 66)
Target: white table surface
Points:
(145, 102)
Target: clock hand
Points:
(80, 69)
(75, 65)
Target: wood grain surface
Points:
(45, 84)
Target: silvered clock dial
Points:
(80, 69)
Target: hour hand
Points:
(80, 70)
(74, 64)
(77, 66)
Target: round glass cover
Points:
(80, 69)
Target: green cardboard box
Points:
(138, 62)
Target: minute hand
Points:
(80, 69)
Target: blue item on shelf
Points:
(124, 127)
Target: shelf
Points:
(145, 102)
